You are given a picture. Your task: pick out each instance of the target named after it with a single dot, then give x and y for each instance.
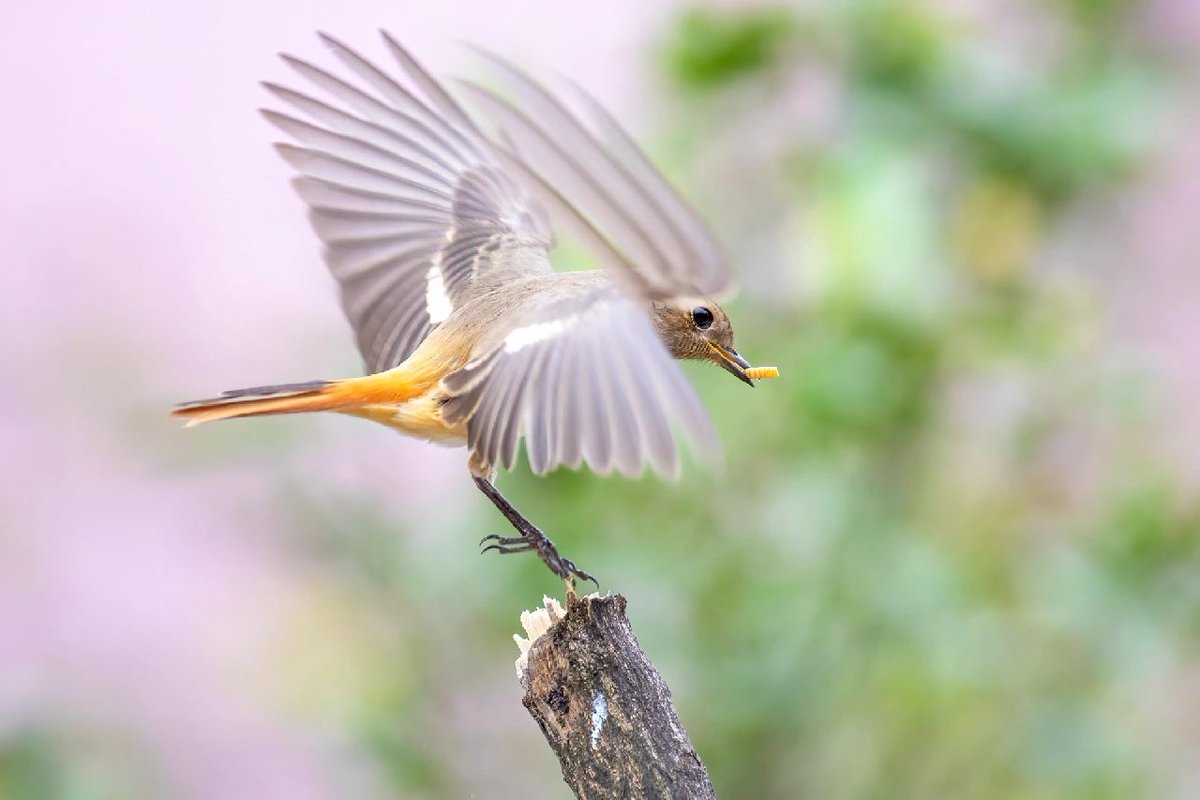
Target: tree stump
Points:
(603, 708)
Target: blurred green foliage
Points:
(49, 760)
(938, 562)
(711, 49)
(942, 567)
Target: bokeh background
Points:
(953, 552)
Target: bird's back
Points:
(494, 313)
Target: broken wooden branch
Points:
(602, 706)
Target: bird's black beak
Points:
(731, 361)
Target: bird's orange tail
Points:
(288, 398)
(353, 396)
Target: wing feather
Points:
(395, 133)
(625, 187)
(340, 225)
(711, 268)
(610, 180)
(561, 168)
(405, 101)
(361, 152)
(414, 214)
(579, 373)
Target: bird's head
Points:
(700, 330)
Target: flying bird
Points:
(439, 233)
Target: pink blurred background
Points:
(156, 253)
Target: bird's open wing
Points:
(581, 374)
(418, 209)
(661, 247)
(415, 214)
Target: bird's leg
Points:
(531, 538)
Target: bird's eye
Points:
(702, 317)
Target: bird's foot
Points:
(538, 542)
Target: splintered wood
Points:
(604, 709)
(535, 623)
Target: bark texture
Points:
(606, 711)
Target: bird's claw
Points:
(507, 544)
(573, 572)
(564, 568)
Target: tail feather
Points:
(350, 396)
(287, 398)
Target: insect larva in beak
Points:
(762, 373)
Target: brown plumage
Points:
(439, 237)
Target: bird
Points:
(438, 231)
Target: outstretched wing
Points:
(581, 374)
(664, 249)
(415, 216)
